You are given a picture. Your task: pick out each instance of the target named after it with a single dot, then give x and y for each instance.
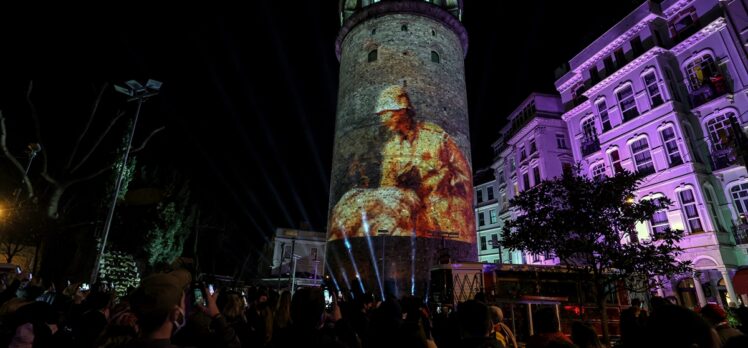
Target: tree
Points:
(589, 224)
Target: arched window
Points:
(671, 146)
(373, 31)
(598, 171)
(642, 156)
(404, 27)
(739, 195)
(690, 210)
(602, 111)
(589, 132)
(627, 102)
(615, 161)
(659, 221)
(434, 57)
(372, 55)
(433, 33)
(722, 130)
(653, 88)
(699, 70)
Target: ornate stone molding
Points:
(715, 26)
(576, 110)
(676, 8)
(632, 65)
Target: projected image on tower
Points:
(403, 177)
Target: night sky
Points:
(249, 93)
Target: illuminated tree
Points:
(589, 225)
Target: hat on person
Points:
(497, 315)
(160, 292)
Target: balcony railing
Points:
(711, 88)
(723, 158)
(740, 232)
(589, 146)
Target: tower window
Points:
(404, 27)
(373, 31)
(372, 55)
(433, 33)
(435, 57)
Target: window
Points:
(516, 188)
(671, 146)
(602, 111)
(690, 211)
(636, 45)
(489, 191)
(495, 241)
(372, 55)
(536, 174)
(598, 171)
(522, 154)
(594, 75)
(483, 243)
(615, 161)
(566, 167)
(526, 180)
(700, 70)
(373, 31)
(481, 219)
(739, 195)
(313, 254)
(642, 156)
(479, 195)
(653, 89)
(287, 252)
(710, 203)
(627, 102)
(722, 130)
(682, 21)
(608, 62)
(404, 27)
(588, 130)
(435, 57)
(620, 58)
(512, 166)
(560, 141)
(492, 217)
(533, 147)
(433, 33)
(659, 222)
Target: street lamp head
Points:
(34, 148)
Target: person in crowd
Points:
(547, 330)
(633, 320)
(95, 320)
(717, 318)
(678, 327)
(159, 305)
(475, 325)
(282, 317)
(501, 331)
(584, 336)
(307, 322)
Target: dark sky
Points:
(249, 93)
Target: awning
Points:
(740, 281)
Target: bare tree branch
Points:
(37, 125)
(145, 142)
(90, 176)
(4, 148)
(87, 127)
(98, 141)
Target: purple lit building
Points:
(664, 92)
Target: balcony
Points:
(723, 158)
(740, 232)
(589, 146)
(711, 88)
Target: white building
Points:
(307, 247)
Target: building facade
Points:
(487, 218)
(663, 93)
(299, 251)
(533, 146)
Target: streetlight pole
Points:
(140, 93)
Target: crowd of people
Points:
(172, 310)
